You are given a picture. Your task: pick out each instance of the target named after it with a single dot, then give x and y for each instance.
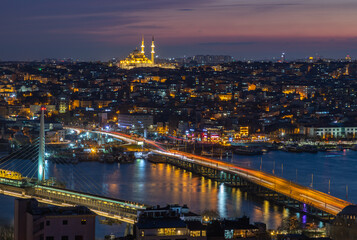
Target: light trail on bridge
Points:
(295, 191)
(63, 204)
(314, 198)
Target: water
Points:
(316, 170)
(162, 184)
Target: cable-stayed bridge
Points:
(23, 175)
(18, 178)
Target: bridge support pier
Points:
(240, 181)
(129, 229)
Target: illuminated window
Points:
(228, 234)
(195, 233)
(167, 231)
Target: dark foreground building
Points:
(178, 223)
(52, 223)
(345, 225)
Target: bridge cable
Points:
(80, 176)
(24, 165)
(15, 155)
(25, 169)
(92, 181)
(18, 156)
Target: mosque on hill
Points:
(137, 58)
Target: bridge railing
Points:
(126, 210)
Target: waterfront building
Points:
(48, 223)
(332, 132)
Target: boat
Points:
(293, 148)
(336, 149)
(309, 149)
(156, 158)
(247, 150)
(354, 147)
(210, 154)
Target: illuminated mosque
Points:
(137, 58)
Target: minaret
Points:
(142, 45)
(153, 51)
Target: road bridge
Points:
(269, 186)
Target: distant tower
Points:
(282, 58)
(142, 45)
(153, 51)
(348, 58)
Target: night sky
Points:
(245, 29)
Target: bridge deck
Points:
(109, 207)
(317, 199)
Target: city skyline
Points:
(88, 30)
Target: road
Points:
(317, 199)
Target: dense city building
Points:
(210, 103)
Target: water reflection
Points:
(161, 184)
(222, 200)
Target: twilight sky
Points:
(245, 29)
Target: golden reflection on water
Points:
(266, 208)
(162, 184)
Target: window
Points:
(195, 233)
(167, 232)
(50, 238)
(64, 238)
(65, 222)
(83, 221)
(228, 234)
(78, 237)
(47, 223)
(42, 225)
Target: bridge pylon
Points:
(41, 155)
